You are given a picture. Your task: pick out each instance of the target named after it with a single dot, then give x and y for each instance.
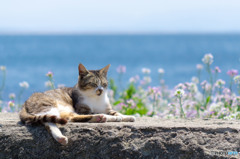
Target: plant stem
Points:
(19, 99)
(181, 108)
(3, 83)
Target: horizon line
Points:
(119, 33)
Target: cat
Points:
(87, 101)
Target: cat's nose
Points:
(99, 91)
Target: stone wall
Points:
(146, 138)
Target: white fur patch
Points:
(98, 104)
(63, 108)
(52, 111)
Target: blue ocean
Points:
(30, 57)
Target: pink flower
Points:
(217, 70)
(49, 74)
(121, 69)
(232, 72)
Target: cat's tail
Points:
(28, 118)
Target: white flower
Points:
(132, 80)
(195, 80)
(208, 87)
(24, 84)
(193, 87)
(12, 96)
(208, 59)
(147, 79)
(179, 92)
(199, 66)
(48, 84)
(237, 79)
(2, 68)
(219, 83)
(216, 107)
(161, 71)
(146, 70)
(11, 104)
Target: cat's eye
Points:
(93, 84)
(104, 84)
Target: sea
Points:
(30, 57)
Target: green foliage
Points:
(113, 87)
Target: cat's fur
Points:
(87, 101)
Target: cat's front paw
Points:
(127, 118)
(99, 118)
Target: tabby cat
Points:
(87, 101)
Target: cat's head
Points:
(93, 81)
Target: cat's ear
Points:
(105, 70)
(82, 70)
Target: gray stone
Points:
(145, 138)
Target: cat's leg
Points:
(111, 118)
(125, 118)
(56, 133)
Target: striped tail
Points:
(40, 119)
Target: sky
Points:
(123, 16)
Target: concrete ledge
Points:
(146, 138)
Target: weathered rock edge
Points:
(146, 138)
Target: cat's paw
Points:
(129, 118)
(100, 118)
(119, 118)
(114, 118)
(63, 140)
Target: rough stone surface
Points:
(146, 138)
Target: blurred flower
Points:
(134, 79)
(203, 84)
(207, 59)
(2, 68)
(208, 87)
(226, 91)
(11, 104)
(12, 96)
(193, 88)
(48, 84)
(147, 79)
(237, 79)
(131, 103)
(232, 72)
(219, 83)
(195, 80)
(179, 93)
(180, 86)
(49, 74)
(199, 66)
(121, 69)
(232, 116)
(24, 84)
(146, 70)
(216, 107)
(161, 71)
(217, 70)
(154, 90)
(60, 85)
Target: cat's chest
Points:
(97, 104)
